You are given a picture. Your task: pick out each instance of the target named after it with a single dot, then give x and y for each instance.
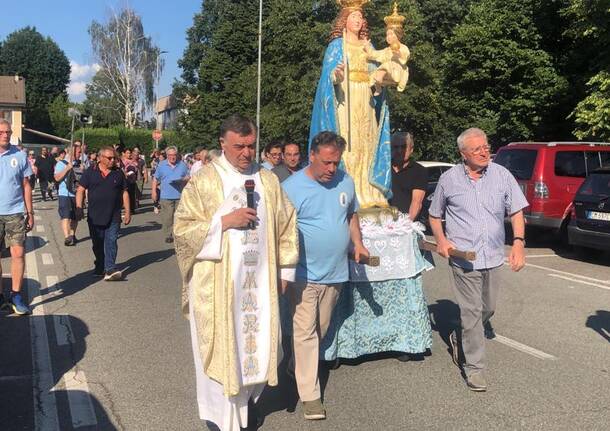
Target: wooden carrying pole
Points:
(431, 246)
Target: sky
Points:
(67, 21)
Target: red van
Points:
(549, 174)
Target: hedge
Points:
(129, 138)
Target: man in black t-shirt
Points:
(46, 167)
(107, 194)
(409, 178)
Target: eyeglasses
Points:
(275, 155)
(109, 158)
(481, 149)
(6, 132)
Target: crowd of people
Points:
(247, 235)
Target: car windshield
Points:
(596, 185)
(519, 162)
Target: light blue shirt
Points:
(267, 165)
(62, 189)
(170, 179)
(14, 168)
(323, 212)
(475, 210)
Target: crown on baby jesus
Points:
(395, 20)
(352, 4)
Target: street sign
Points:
(157, 135)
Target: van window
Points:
(570, 164)
(519, 162)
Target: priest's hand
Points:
(240, 218)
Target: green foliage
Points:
(102, 102)
(44, 66)
(593, 113)
(58, 114)
(496, 75)
(95, 138)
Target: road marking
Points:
(39, 228)
(45, 403)
(63, 330)
(529, 256)
(37, 218)
(47, 258)
(79, 400)
(523, 348)
(569, 274)
(563, 277)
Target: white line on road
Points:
(546, 268)
(563, 277)
(63, 330)
(523, 348)
(52, 284)
(39, 228)
(45, 403)
(81, 407)
(47, 258)
(529, 256)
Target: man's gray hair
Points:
(104, 149)
(171, 148)
(473, 131)
(403, 138)
(5, 121)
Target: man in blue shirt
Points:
(475, 196)
(172, 175)
(16, 213)
(325, 200)
(66, 179)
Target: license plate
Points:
(595, 215)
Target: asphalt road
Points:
(117, 356)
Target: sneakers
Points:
(313, 410)
(115, 275)
(169, 240)
(476, 382)
(455, 350)
(70, 241)
(19, 307)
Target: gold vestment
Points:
(212, 280)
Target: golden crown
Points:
(352, 4)
(394, 20)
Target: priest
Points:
(236, 250)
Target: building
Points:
(12, 104)
(167, 113)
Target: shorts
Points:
(67, 208)
(12, 229)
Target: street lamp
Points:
(157, 91)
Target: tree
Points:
(58, 114)
(44, 66)
(129, 62)
(589, 33)
(102, 102)
(496, 74)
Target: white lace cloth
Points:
(395, 242)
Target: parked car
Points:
(435, 170)
(590, 223)
(550, 173)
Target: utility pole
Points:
(158, 125)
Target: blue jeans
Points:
(104, 239)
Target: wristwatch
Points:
(518, 238)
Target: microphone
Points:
(249, 185)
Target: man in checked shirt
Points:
(475, 196)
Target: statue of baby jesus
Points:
(393, 70)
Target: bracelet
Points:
(518, 238)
